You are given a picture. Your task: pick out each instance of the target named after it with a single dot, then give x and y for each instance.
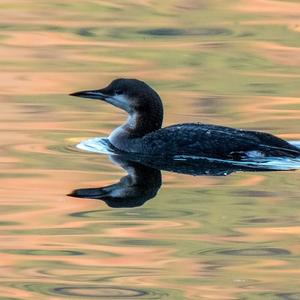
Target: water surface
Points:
(233, 63)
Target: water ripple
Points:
(40, 252)
(145, 213)
(94, 292)
(209, 31)
(255, 252)
(270, 295)
(260, 251)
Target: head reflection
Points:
(143, 179)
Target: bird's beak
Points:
(93, 94)
(105, 95)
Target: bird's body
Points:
(210, 141)
(142, 133)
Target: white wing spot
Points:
(255, 154)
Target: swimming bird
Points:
(142, 133)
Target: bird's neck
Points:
(138, 125)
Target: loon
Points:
(142, 133)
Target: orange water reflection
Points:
(202, 237)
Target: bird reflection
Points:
(139, 185)
(143, 179)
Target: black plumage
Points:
(213, 141)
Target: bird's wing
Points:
(216, 141)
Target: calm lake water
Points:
(234, 63)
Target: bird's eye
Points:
(118, 92)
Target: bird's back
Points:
(212, 141)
